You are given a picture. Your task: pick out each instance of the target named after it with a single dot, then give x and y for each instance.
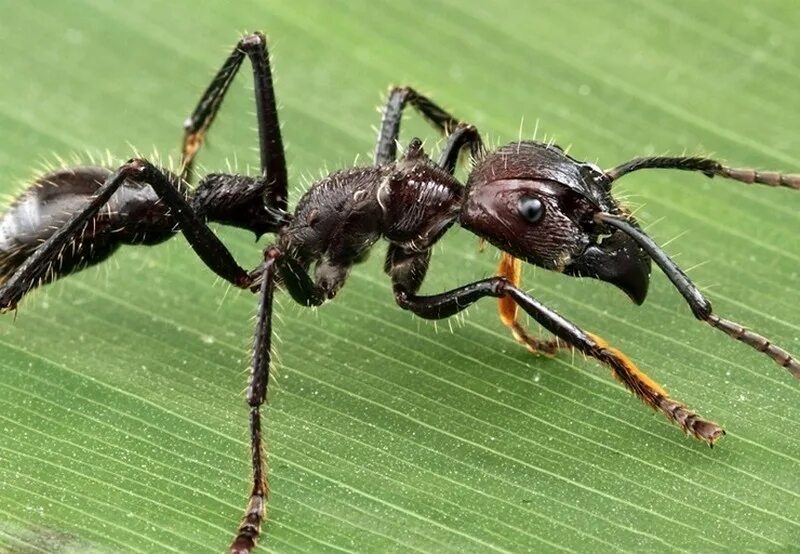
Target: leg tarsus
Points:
(535, 345)
(255, 514)
(652, 394)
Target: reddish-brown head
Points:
(538, 204)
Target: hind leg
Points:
(273, 162)
(44, 207)
(90, 235)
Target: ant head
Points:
(538, 204)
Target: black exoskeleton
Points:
(531, 200)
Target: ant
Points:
(529, 199)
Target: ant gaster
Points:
(531, 200)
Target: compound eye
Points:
(531, 209)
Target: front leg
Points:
(444, 305)
(511, 269)
(408, 270)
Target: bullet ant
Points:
(531, 200)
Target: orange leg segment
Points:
(511, 269)
(652, 394)
(624, 370)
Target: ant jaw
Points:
(617, 260)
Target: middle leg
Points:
(256, 511)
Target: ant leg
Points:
(386, 148)
(204, 242)
(444, 305)
(304, 290)
(273, 161)
(510, 268)
(300, 286)
(408, 270)
(710, 168)
(464, 135)
(700, 306)
(256, 511)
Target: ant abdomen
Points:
(132, 216)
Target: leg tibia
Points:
(273, 162)
(386, 149)
(256, 512)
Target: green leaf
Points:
(123, 425)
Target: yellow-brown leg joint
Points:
(511, 268)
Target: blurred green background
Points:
(122, 418)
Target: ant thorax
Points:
(419, 200)
(410, 203)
